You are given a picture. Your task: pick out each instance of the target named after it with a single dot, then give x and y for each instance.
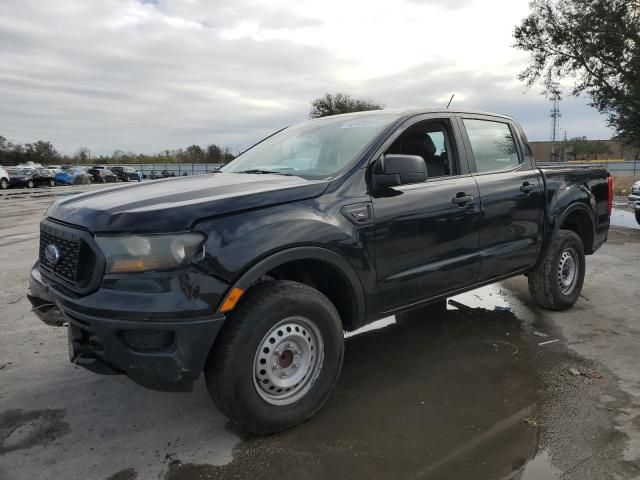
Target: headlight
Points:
(143, 253)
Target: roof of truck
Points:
(420, 111)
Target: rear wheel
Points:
(638, 217)
(4, 184)
(30, 184)
(557, 282)
(277, 358)
(52, 183)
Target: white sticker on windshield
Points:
(362, 124)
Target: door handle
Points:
(527, 187)
(461, 199)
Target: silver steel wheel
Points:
(288, 361)
(568, 269)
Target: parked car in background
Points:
(102, 174)
(154, 175)
(127, 174)
(73, 176)
(4, 179)
(54, 168)
(30, 177)
(634, 200)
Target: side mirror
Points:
(398, 169)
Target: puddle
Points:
(624, 218)
(489, 297)
(441, 396)
(540, 468)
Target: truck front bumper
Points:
(162, 354)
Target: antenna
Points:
(451, 100)
(555, 119)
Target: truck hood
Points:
(176, 204)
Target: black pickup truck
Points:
(252, 274)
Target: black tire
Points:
(637, 217)
(229, 371)
(4, 184)
(546, 282)
(30, 184)
(432, 310)
(52, 183)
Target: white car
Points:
(4, 179)
(634, 200)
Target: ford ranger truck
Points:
(251, 275)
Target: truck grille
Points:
(76, 264)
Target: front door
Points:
(427, 234)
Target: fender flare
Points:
(574, 208)
(309, 253)
(556, 227)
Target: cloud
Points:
(149, 75)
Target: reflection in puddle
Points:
(540, 468)
(490, 297)
(624, 218)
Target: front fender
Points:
(241, 248)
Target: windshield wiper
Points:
(260, 171)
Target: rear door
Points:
(512, 193)
(427, 234)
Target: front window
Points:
(493, 145)
(317, 148)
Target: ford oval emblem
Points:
(52, 254)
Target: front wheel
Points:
(4, 184)
(30, 184)
(277, 358)
(52, 183)
(638, 217)
(557, 282)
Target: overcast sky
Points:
(146, 75)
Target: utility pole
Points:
(555, 119)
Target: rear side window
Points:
(493, 145)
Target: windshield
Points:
(316, 148)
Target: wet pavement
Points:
(435, 397)
(491, 388)
(622, 217)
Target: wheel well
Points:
(325, 278)
(579, 222)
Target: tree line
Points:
(45, 153)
